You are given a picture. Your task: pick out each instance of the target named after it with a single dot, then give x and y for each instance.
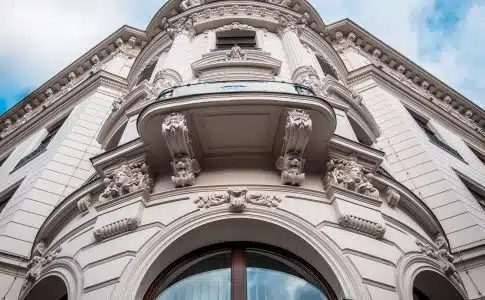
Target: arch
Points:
(272, 227)
(417, 270)
(66, 272)
(50, 287)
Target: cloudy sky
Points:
(38, 38)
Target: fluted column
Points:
(289, 32)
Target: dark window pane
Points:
(242, 38)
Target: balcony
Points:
(237, 122)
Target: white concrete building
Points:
(243, 150)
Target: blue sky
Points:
(41, 37)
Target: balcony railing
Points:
(235, 87)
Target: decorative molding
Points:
(308, 76)
(116, 228)
(186, 4)
(40, 259)
(442, 255)
(183, 26)
(348, 174)
(128, 178)
(297, 133)
(287, 23)
(359, 224)
(417, 83)
(392, 196)
(85, 202)
(237, 198)
(176, 133)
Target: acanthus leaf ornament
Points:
(348, 174)
(176, 134)
(40, 259)
(128, 178)
(183, 26)
(237, 200)
(297, 133)
(442, 255)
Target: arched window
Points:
(51, 287)
(327, 68)
(239, 273)
(429, 285)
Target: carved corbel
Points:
(392, 197)
(85, 203)
(176, 133)
(348, 174)
(297, 133)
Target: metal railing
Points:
(234, 87)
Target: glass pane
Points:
(271, 278)
(206, 279)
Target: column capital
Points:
(288, 24)
(183, 26)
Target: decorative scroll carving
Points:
(308, 76)
(368, 227)
(392, 197)
(85, 203)
(442, 256)
(184, 165)
(40, 259)
(348, 174)
(186, 4)
(290, 163)
(116, 228)
(237, 200)
(182, 26)
(128, 178)
(236, 53)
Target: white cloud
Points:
(39, 38)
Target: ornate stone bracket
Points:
(290, 163)
(359, 224)
(184, 165)
(182, 26)
(348, 174)
(392, 197)
(442, 256)
(237, 200)
(116, 228)
(85, 203)
(128, 178)
(40, 259)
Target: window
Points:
(476, 192)
(245, 39)
(7, 195)
(51, 132)
(327, 68)
(239, 274)
(478, 154)
(147, 72)
(423, 123)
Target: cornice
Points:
(371, 71)
(391, 60)
(62, 104)
(74, 74)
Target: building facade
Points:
(242, 150)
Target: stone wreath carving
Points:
(128, 178)
(184, 165)
(368, 227)
(297, 133)
(40, 259)
(116, 228)
(237, 198)
(348, 174)
(441, 255)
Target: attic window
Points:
(327, 68)
(245, 39)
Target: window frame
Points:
(474, 189)
(230, 45)
(7, 194)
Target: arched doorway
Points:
(429, 285)
(51, 287)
